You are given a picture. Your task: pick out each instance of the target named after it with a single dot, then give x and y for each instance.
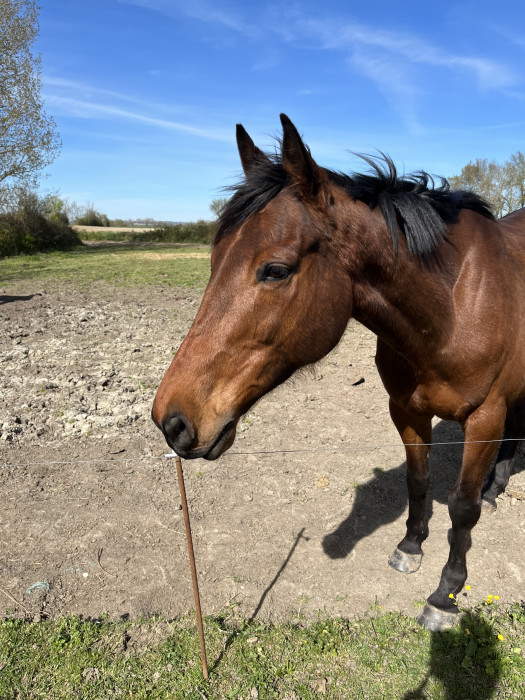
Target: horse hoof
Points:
(488, 506)
(405, 563)
(437, 620)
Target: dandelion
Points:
(500, 637)
(496, 597)
(451, 595)
(467, 588)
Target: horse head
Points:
(278, 298)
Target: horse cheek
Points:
(330, 313)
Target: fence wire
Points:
(299, 450)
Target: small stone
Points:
(323, 482)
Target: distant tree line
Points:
(502, 185)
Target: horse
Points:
(299, 250)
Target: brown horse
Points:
(299, 251)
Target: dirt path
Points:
(274, 534)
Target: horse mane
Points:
(415, 204)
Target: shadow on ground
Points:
(383, 499)
(465, 662)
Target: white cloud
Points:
(75, 98)
(90, 110)
(393, 61)
(392, 77)
(66, 88)
(351, 36)
(201, 10)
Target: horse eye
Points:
(273, 273)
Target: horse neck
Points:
(404, 300)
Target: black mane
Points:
(414, 203)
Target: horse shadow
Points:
(465, 661)
(8, 298)
(383, 499)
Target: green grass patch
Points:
(384, 656)
(169, 265)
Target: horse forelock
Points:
(414, 204)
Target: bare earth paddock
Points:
(274, 534)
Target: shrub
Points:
(195, 232)
(28, 230)
(92, 218)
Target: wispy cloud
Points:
(78, 101)
(393, 60)
(392, 77)
(201, 10)
(514, 37)
(84, 91)
(490, 74)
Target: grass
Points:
(122, 265)
(379, 656)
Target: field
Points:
(91, 524)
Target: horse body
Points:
(462, 344)
(301, 250)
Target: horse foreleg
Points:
(464, 506)
(416, 433)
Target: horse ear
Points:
(250, 155)
(298, 162)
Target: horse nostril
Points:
(178, 432)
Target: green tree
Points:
(218, 205)
(56, 209)
(502, 185)
(92, 217)
(516, 180)
(28, 137)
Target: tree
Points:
(92, 217)
(28, 137)
(56, 209)
(516, 180)
(218, 205)
(502, 185)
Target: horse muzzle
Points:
(183, 437)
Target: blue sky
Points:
(146, 93)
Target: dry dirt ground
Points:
(112, 229)
(90, 518)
